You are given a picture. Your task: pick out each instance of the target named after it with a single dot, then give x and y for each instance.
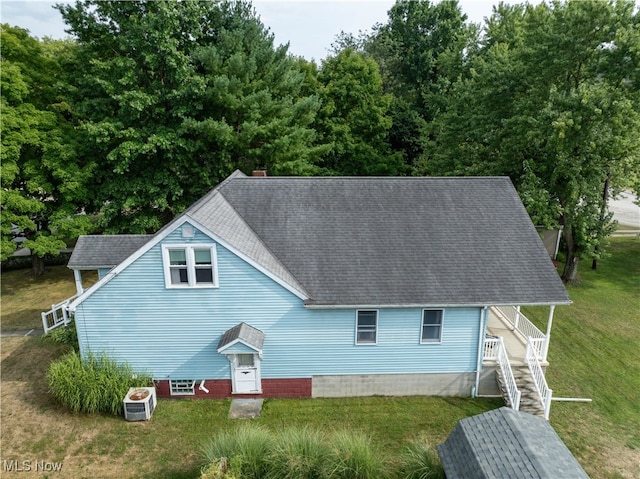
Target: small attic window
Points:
(188, 231)
(190, 266)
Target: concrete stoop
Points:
(529, 401)
(245, 408)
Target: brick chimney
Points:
(259, 173)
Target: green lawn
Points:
(25, 296)
(595, 353)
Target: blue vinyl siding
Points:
(174, 333)
(102, 272)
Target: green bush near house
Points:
(96, 384)
(67, 336)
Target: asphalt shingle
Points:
(503, 444)
(105, 251)
(400, 241)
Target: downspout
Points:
(77, 275)
(481, 334)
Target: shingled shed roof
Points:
(503, 444)
(244, 333)
(105, 251)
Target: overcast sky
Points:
(310, 26)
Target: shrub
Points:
(299, 454)
(353, 457)
(67, 336)
(246, 448)
(253, 453)
(221, 469)
(94, 385)
(420, 461)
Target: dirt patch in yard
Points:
(38, 431)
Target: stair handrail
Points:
(513, 393)
(545, 393)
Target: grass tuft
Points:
(97, 384)
(420, 460)
(353, 456)
(247, 448)
(300, 453)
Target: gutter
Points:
(312, 305)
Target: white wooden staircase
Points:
(529, 397)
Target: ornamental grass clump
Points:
(96, 384)
(299, 454)
(243, 452)
(420, 461)
(352, 456)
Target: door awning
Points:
(242, 333)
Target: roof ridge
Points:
(298, 284)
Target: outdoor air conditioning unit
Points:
(139, 404)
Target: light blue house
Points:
(316, 287)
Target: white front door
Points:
(246, 374)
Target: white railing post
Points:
(509, 381)
(547, 404)
(517, 319)
(57, 315)
(548, 335)
(537, 374)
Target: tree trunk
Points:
(37, 265)
(570, 272)
(603, 212)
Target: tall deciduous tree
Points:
(421, 51)
(553, 102)
(176, 95)
(43, 184)
(354, 117)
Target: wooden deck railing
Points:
(58, 315)
(543, 390)
(513, 393)
(525, 327)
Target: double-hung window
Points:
(367, 327)
(432, 321)
(190, 266)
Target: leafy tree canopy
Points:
(552, 102)
(354, 117)
(176, 95)
(42, 183)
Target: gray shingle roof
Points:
(395, 241)
(503, 444)
(243, 332)
(372, 241)
(105, 251)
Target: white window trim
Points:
(186, 389)
(376, 331)
(191, 265)
(441, 326)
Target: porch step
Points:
(529, 401)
